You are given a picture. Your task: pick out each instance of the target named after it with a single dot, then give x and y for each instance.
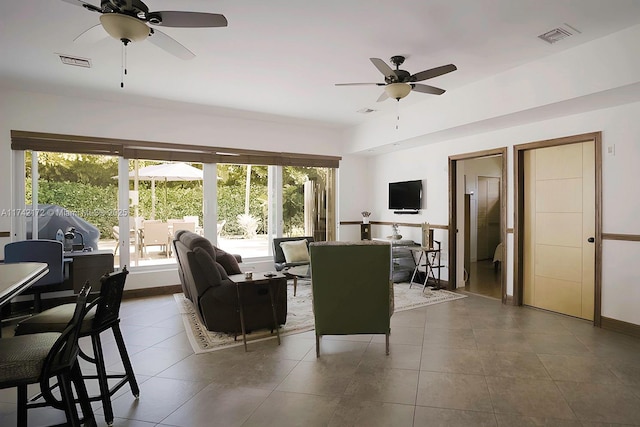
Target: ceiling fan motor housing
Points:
(137, 6)
(397, 60)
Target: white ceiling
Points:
(283, 57)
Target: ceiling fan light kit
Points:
(397, 90)
(124, 28)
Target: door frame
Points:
(453, 213)
(519, 214)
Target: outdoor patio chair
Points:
(116, 235)
(155, 233)
(220, 226)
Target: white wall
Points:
(173, 123)
(353, 195)
(621, 205)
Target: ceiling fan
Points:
(398, 83)
(127, 21)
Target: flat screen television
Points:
(405, 195)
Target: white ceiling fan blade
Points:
(163, 41)
(92, 35)
(427, 89)
(383, 96)
(383, 68)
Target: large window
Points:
(72, 191)
(304, 202)
(125, 203)
(243, 209)
(245, 219)
(164, 197)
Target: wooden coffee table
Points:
(271, 279)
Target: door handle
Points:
(591, 240)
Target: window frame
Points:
(148, 150)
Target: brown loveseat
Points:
(204, 271)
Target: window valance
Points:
(132, 149)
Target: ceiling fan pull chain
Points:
(124, 64)
(397, 114)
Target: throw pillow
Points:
(228, 261)
(295, 251)
(209, 267)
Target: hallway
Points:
(484, 279)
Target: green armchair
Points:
(352, 288)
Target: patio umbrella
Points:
(165, 172)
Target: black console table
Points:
(402, 259)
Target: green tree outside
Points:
(85, 184)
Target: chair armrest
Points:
(283, 265)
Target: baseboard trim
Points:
(620, 326)
(151, 292)
(445, 285)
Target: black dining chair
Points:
(41, 358)
(39, 250)
(103, 314)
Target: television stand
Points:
(406, 212)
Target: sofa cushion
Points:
(295, 251)
(193, 240)
(209, 267)
(228, 261)
(223, 272)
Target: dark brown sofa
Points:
(204, 270)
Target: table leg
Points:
(295, 285)
(244, 333)
(415, 270)
(271, 284)
(431, 263)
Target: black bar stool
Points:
(39, 358)
(103, 314)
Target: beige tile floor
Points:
(471, 362)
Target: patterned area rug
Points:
(299, 315)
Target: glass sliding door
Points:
(164, 197)
(306, 201)
(243, 209)
(71, 190)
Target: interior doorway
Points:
(478, 222)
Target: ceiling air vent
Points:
(76, 61)
(558, 34)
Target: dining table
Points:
(15, 278)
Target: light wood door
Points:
(559, 206)
(488, 216)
